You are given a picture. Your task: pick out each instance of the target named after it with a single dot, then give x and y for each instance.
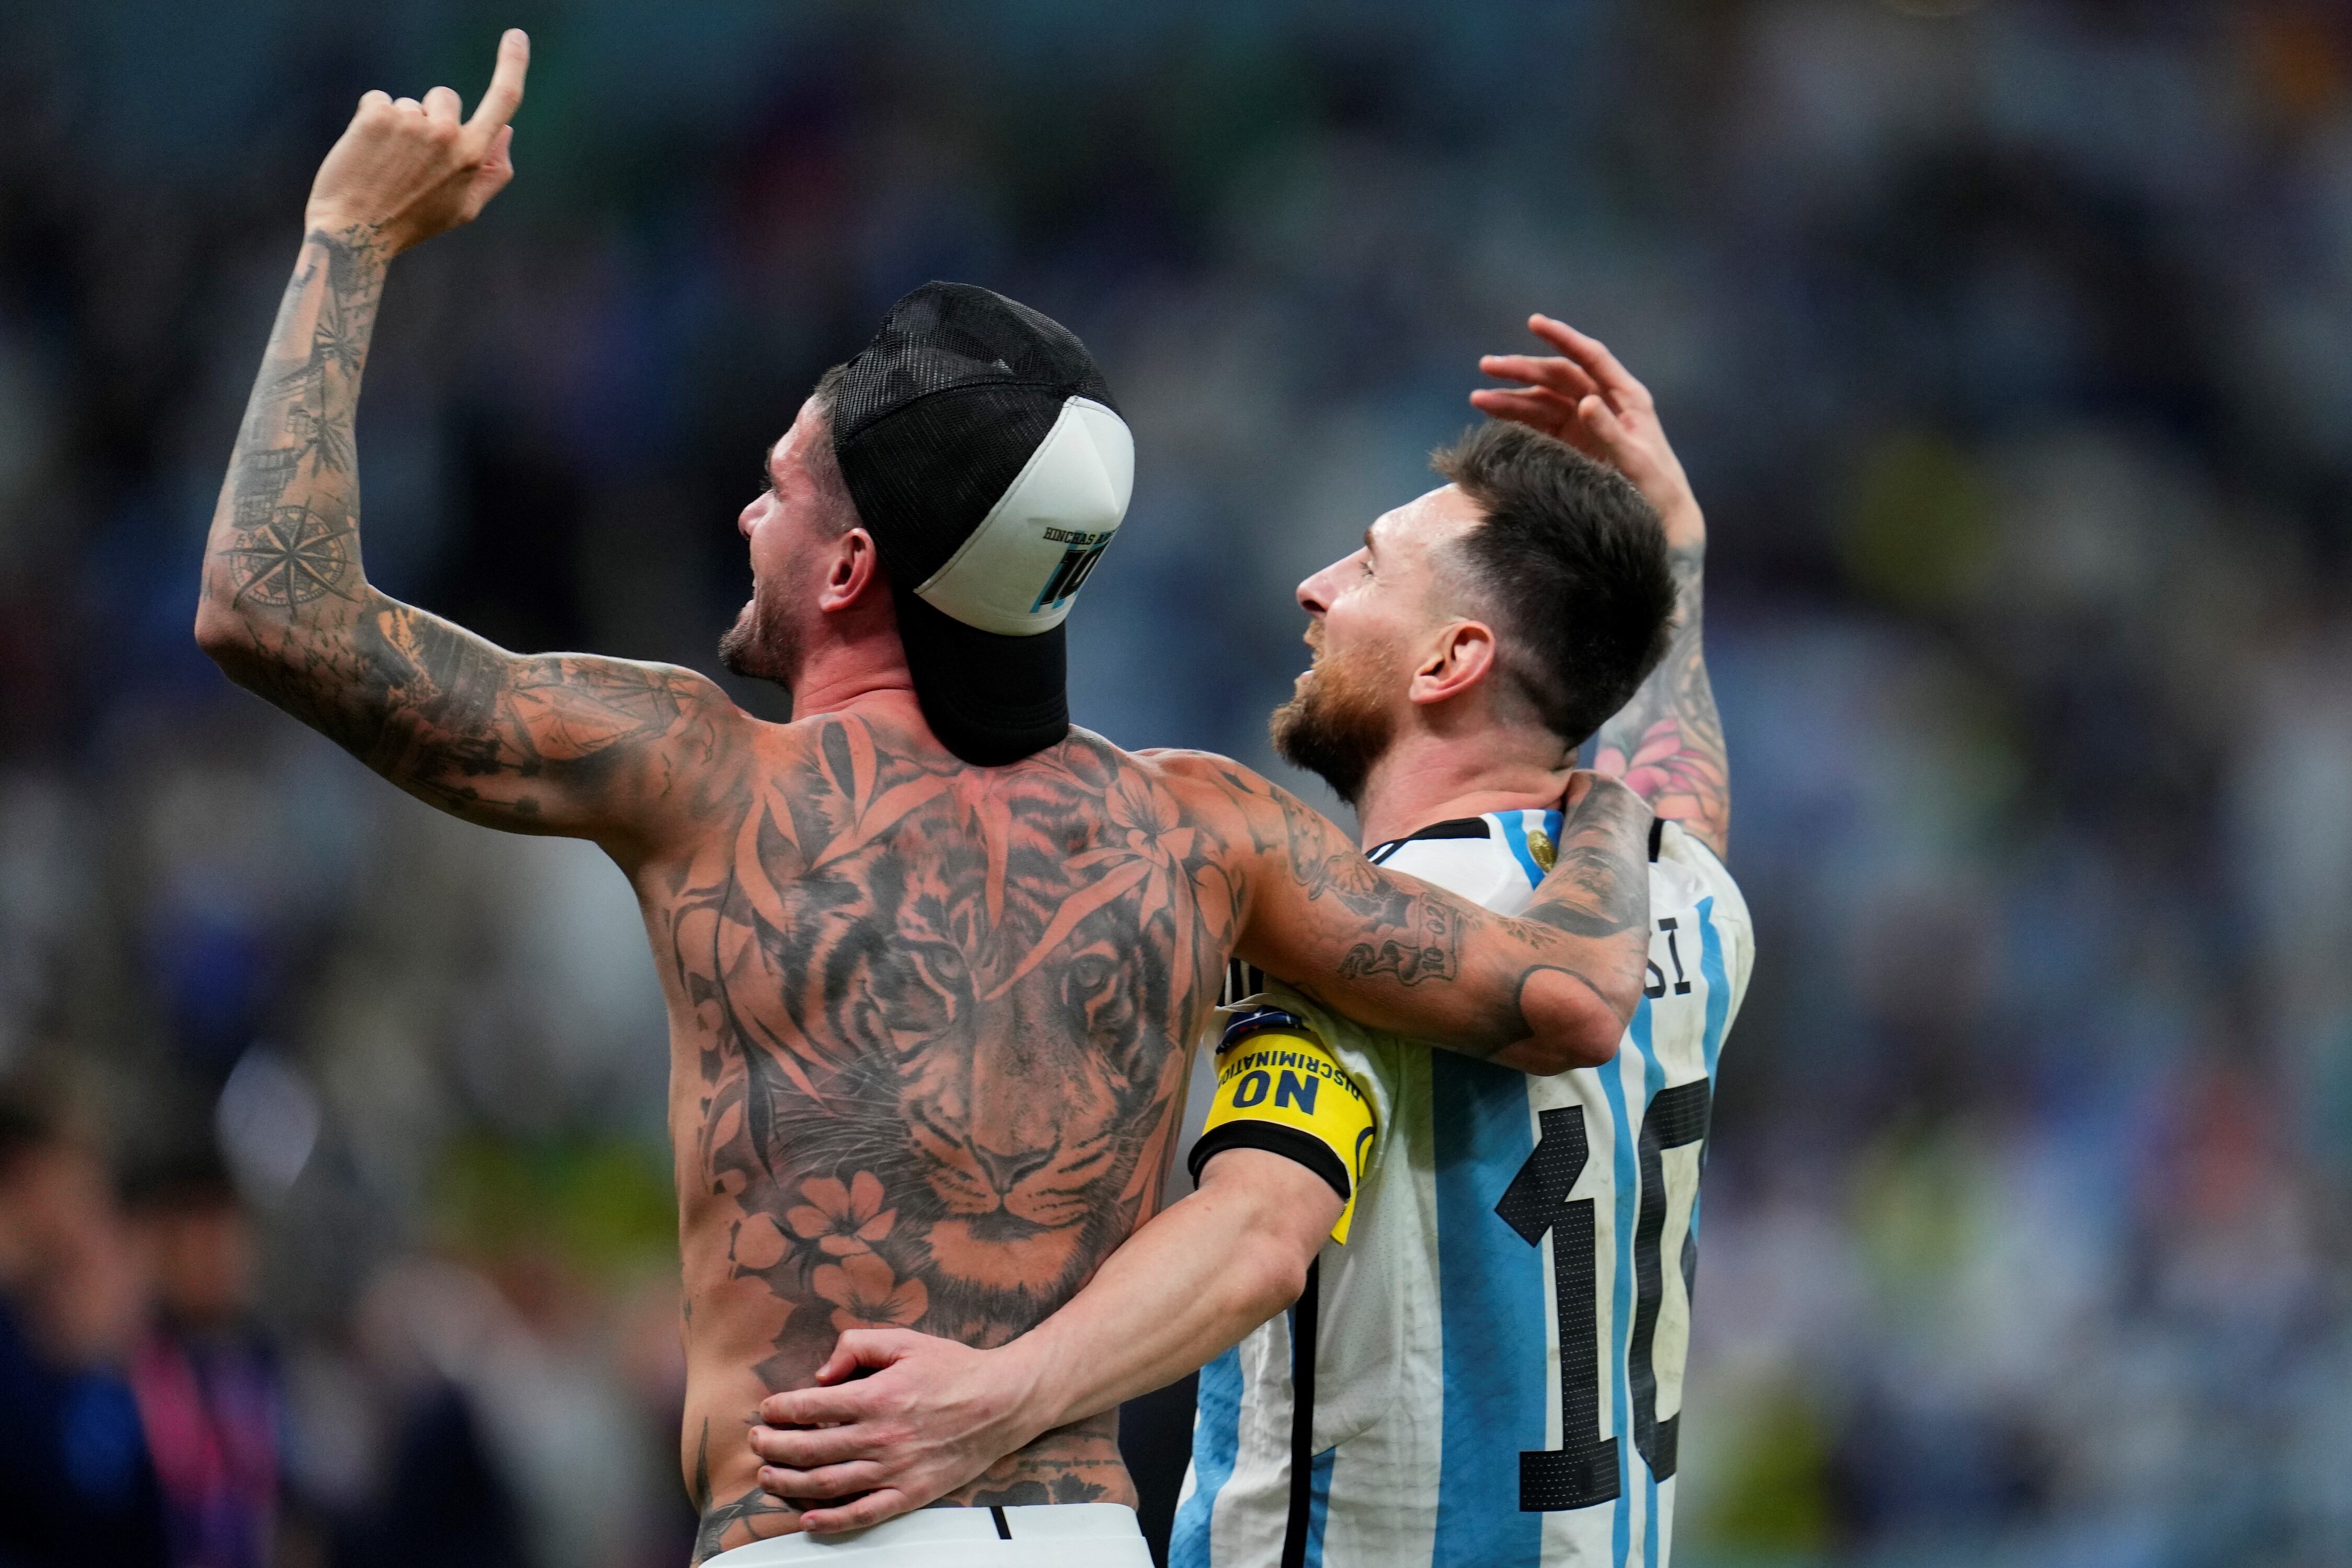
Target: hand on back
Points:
(1589, 400)
(408, 170)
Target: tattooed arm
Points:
(559, 743)
(1549, 991)
(1667, 742)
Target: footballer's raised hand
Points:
(1589, 400)
(1666, 744)
(407, 169)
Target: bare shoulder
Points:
(1213, 780)
(583, 702)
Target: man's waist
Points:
(1043, 1535)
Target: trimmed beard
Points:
(763, 644)
(1338, 725)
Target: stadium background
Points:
(2009, 346)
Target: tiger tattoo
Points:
(942, 1019)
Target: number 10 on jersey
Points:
(1584, 1470)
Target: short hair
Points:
(1573, 564)
(824, 468)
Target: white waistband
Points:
(1049, 1535)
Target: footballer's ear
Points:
(852, 572)
(1460, 655)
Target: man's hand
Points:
(1592, 402)
(1197, 1277)
(934, 1415)
(1667, 742)
(407, 169)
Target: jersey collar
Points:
(1453, 827)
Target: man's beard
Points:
(1338, 723)
(763, 644)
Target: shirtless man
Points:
(933, 960)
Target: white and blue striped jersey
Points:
(1488, 1373)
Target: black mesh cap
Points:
(990, 464)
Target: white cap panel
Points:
(1021, 570)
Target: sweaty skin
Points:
(929, 1022)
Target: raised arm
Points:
(1545, 991)
(1667, 742)
(552, 743)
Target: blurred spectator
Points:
(207, 1382)
(76, 1487)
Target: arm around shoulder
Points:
(1545, 992)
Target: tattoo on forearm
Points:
(290, 558)
(1417, 930)
(1667, 742)
(551, 743)
(290, 532)
(1587, 919)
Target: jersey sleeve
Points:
(1281, 1088)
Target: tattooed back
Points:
(929, 1030)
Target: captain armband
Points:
(1280, 1089)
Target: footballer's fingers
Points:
(823, 1481)
(1614, 380)
(504, 95)
(492, 173)
(883, 1502)
(817, 1406)
(1550, 372)
(441, 104)
(1587, 424)
(1545, 411)
(808, 1448)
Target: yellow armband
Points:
(1281, 1089)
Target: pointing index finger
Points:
(505, 93)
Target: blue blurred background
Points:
(2010, 347)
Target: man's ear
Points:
(1461, 655)
(853, 573)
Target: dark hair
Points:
(1573, 561)
(823, 466)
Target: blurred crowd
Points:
(2009, 346)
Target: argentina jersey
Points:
(1487, 1372)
